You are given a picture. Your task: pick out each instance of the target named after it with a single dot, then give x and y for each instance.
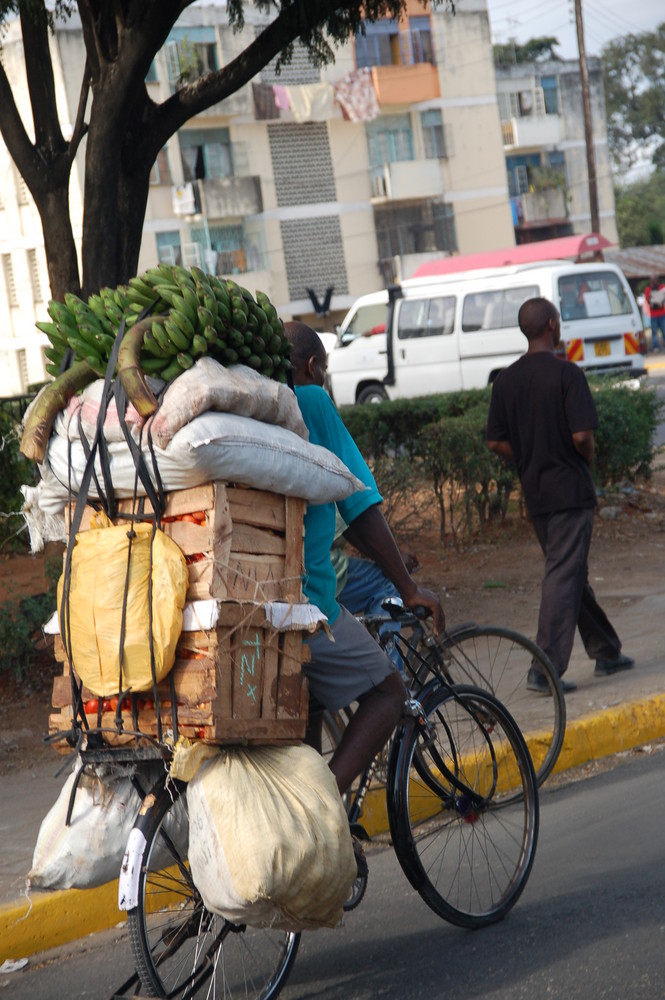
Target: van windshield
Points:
(366, 321)
(592, 294)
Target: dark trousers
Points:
(567, 599)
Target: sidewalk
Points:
(604, 716)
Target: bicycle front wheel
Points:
(463, 805)
(182, 949)
(498, 659)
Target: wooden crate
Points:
(240, 683)
(249, 546)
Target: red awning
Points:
(563, 248)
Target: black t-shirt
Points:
(537, 403)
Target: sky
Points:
(604, 20)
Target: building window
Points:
(22, 193)
(190, 54)
(550, 88)
(33, 267)
(519, 172)
(377, 44)
(151, 76)
(10, 280)
(381, 43)
(206, 153)
(161, 172)
(168, 247)
(434, 140)
(421, 40)
(419, 228)
(389, 139)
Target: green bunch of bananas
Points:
(208, 315)
(193, 313)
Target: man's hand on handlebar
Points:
(428, 600)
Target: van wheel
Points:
(372, 394)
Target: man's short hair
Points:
(534, 316)
(305, 343)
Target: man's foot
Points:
(535, 681)
(606, 667)
(361, 860)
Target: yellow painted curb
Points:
(49, 919)
(618, 728)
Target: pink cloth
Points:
(356, 96)
(281, 96)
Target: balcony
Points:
(230, 197)
(405, 84)
(531, 132)
(540, 206)
(408, 180)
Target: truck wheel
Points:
(372, 394)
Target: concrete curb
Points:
(47, 920)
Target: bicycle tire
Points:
(498, 659)
(180, 946)
(469, 860)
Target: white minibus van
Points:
(457, 331)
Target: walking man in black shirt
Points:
(542, 418)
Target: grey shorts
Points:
(340, 671)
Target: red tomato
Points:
(91, 706)
(111, 704)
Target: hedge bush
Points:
(440, 440)
(16, 471)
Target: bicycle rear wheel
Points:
(498, 659)
(463, 805)
(182, 949)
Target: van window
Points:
(592, 294)
(366, 321)
(495, 310)
(426, 317)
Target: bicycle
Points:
(491, 657)
(463, 809)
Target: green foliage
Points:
(634, 79)
(471, 485)
(20, 620)
(513, 52)
(16, 471)
(393, 426)
(434, 447)
(627, 421)
(640, 211)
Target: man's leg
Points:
(565, 537)
(369, 730)
(365, 588)
(354, 668)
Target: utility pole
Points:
(588, 127)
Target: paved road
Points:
(589, 925)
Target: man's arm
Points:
(502, 448)
(370, 534)
(583, 441)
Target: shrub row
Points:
(434, 448)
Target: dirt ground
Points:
(495, 579)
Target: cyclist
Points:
(352, 667)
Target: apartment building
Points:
(314, 185)
(542, 126)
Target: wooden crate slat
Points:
(257, 507)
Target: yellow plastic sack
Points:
(96, 597)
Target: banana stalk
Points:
(53, 398)
(130, 372)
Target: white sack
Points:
(214, 446)
(269, 840)
(238, 389)
(89, 851)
